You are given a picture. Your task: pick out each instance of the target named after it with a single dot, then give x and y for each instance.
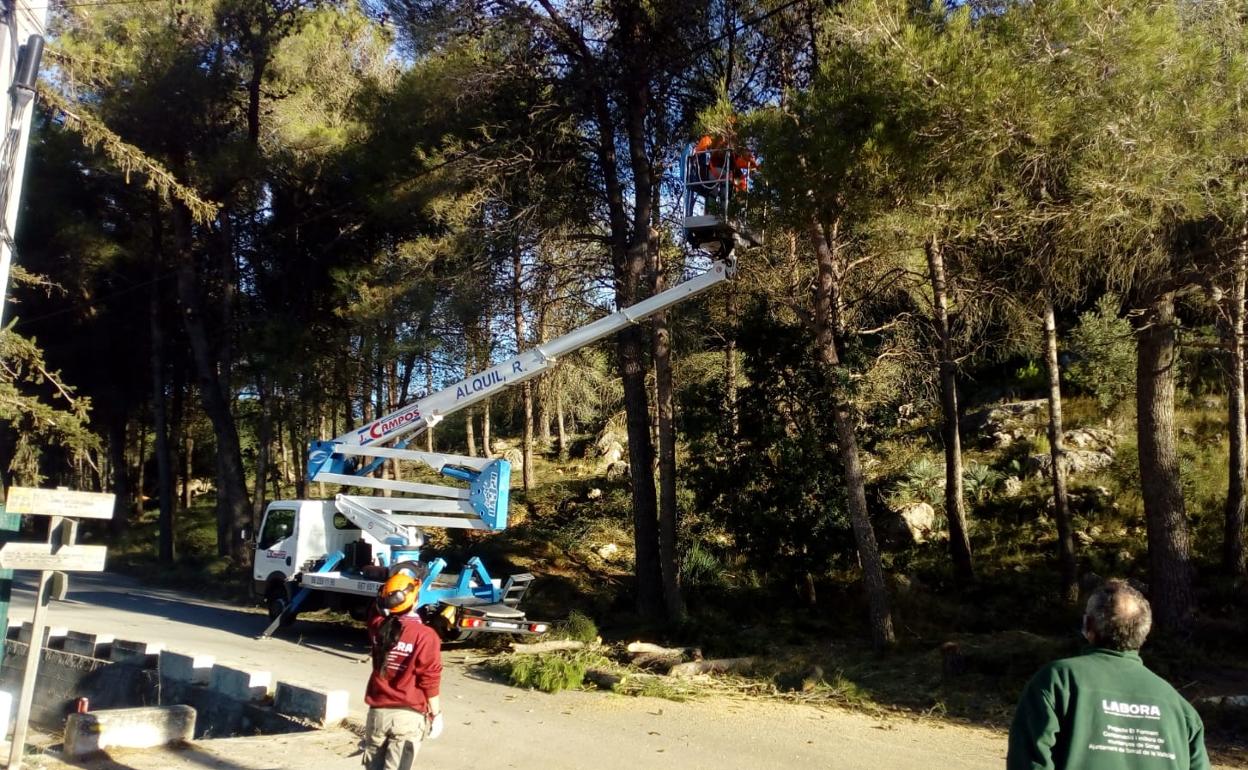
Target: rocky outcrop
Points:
(1078, 461)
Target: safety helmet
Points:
(398, 594)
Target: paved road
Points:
(490, 724)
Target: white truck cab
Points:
(309, 555)
(294, 535)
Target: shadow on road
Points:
(121, 593)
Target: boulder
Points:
(1013, 486)
(608, 438)
(617, 470)
(919, 520)
(613, 453)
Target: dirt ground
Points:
(493, 725)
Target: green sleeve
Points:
(1034, 729)
(1196, 742)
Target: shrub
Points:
(579, 627)
(1104, 349)
(700, 567)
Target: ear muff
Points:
(394, 599)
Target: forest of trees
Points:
(250, 223)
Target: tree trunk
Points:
(1061, 502)
(160, 423)
(470, 418)
(121, 476)
(487, 447)
(470, 414)
(641, 472)
(959, 542)
(1164, 511)
(517, 308)
(629, 243)
(298, 448)
(562, 426)
(1233, 537)
(827, 291)
(140, 468)
(429, 389)
(730, 374)
(263, 440)
(541, 406)
(669, 554)
(233, 505)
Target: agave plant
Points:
(923, 481)
(979, 481)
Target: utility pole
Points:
(21, 47)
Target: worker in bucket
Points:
(402, 693)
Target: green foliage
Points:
(979, 481)
(780, 492)
(550, 672)
(700, 568)
(922, 481)
(39, 407)
(1030, 377)
(579, 627)
(1104, 349)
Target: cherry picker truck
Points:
(336, 553)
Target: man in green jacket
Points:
(1103, 710)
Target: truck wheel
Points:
(278, 605)
(456, 634)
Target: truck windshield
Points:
(277, 527)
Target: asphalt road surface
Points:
(494, 725)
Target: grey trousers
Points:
(392, 738)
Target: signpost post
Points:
(60, 554)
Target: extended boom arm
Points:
(486, 498)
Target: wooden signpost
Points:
(58, 555)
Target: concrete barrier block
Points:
(240, 685)
(53, 636)
(91, 645)
(143, 653)
(193, 669)
(137, 728)
(314, 703)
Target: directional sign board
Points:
(60, 502)
(40, 556)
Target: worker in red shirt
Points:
(402, 693)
